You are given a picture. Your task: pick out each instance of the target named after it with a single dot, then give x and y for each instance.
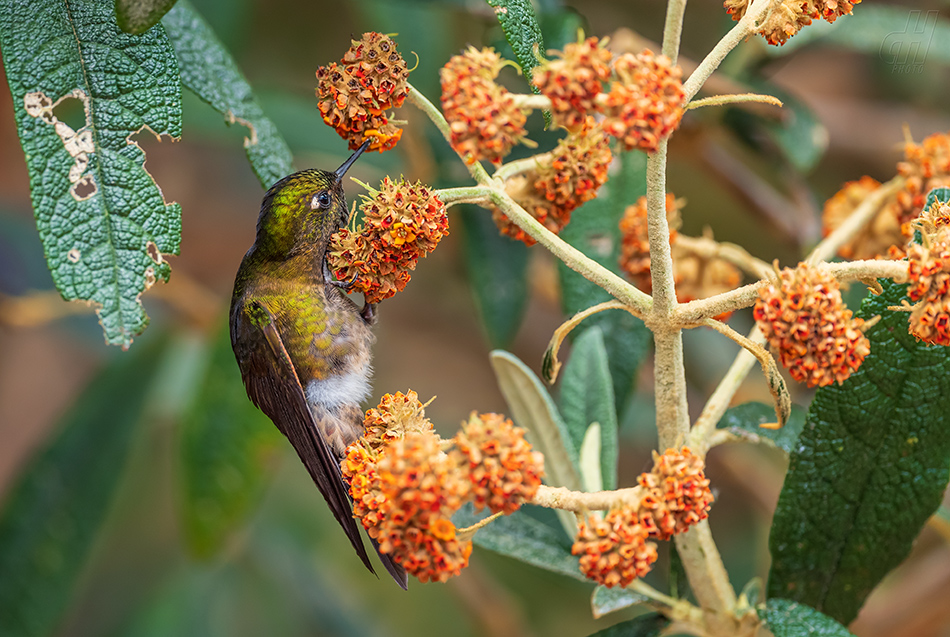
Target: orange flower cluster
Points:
(370, 79)
(925, 166)
(678, 494)
(482, 116)
(696, 277)
(405, 488)
(573, 81)
(402, 223)
(569, 176)
(791, 16)
(406, 500)
(646, 104)
(502, 468)
(928, 268)
(805, 321)
(615, 551)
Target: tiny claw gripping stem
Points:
(369, 313)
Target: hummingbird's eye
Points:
(320, 200)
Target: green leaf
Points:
(650, 625)
(869, 469)
(532, 408)
(787, 618)
(211, 73)
(902, 37)
(497, 268)
(520, 24)
(228, 450)
(604, 601)
(744, 420)
(595, 230)
(522, 537)
(52, 516)
(138, 16)
(102, 219)
(587, 396)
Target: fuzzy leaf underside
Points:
(869, 469)
(208, 70)
(101, 217)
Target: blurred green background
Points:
(154, 462)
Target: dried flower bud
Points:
(402, 223)
(678, 494)
(614, 551)
(926, 166)
(396, 416)
(807, 324)
(569, 176)
(502, 467)
(928, 268)
(874, 240)
(573, 81)
(647, 102)
(482, 116)
(354, 94)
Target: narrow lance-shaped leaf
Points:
(103, 221)
(50, 519)
(229, 449)
(211, 73)
(587, 396)
(869, 469)
(520, 24)
(532, 408)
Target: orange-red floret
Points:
(573, 81)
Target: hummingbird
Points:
(302, 345)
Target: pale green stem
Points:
(742, 30)
(468, 194)
(673, 29)
(475, 169)
(512, 168)
(735, 98)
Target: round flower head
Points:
(573, 81)
(926, 166)
(354, 94)
(677, 493)
(614, 551)
(646, 104)
(499, 462)
(877, 237)
(563, 180)
(805, 321)
(402, 223)
(789, 17)
(396, 415)
(482, 116)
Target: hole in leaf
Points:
(84, 188)
(70, 112)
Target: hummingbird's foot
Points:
(369, 313)
(344, 285)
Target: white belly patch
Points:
(350, 388)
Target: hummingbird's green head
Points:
(302, 210)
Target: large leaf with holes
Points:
(103, 221)
(229, 450)
(50, 519)
(869, 469)
(211, 73)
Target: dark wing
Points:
(276, 390)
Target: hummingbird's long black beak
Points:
(349, 162)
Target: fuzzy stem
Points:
(470, 194)
(673, 29)
(580, 502)
(512, 168)
(738, 33)
(722, 100)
